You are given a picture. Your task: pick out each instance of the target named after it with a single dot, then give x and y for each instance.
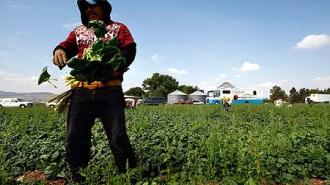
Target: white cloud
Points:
(177, 71)
(246, 67)
(23, 83)
(249, 67)
(21, 33)
(155, 58)
(70, 26)
(313, 41)
(18, 5)
(323, 79)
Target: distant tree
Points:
(160, 85)
(135, 91)
(187, 89)
(294, 96)
(303, 93)
(277, 93)
(327, 91)
(315, 91)
(318, 91)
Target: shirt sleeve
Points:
(124, 36)
(69, 45)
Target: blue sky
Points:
(252, 44)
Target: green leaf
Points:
(113, 42)
(96, 24)
(44, 76)
(110, 49)
(250, 182)
(281, 160)
(74, 63)
(97, 47)
(99, 61)
(98, 27)
(100, 32)
(116, 62)
(93, 52)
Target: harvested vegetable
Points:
(45, 77)
(99, 60)
(98, 63)
(99, 27)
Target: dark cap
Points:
(83, 4)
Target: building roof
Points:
(226, 85)
(198, 93)
(177, 92)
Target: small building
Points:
(176, 97)
(198, 96)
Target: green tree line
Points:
(160, 85)
(294, 96)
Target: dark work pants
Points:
(85, 106)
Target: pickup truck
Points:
(15, 102)
(51, 104)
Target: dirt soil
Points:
(37, 176)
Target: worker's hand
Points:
(59, 58)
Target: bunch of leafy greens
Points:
(100, 60)
(45, 77)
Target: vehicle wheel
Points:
(22, 106)
(0, 106)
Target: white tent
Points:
(198, 96)
(176, 97)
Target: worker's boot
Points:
(76, 176)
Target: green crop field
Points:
(199, 144)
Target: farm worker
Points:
(103, 101)
(225, 103)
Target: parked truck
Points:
(15, 102)
(51, 104)
(318, 98)
(235, 96)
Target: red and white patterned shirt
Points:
(82, 37)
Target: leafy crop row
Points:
(181, 145)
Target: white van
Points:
(318, 98)
(15, 102)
